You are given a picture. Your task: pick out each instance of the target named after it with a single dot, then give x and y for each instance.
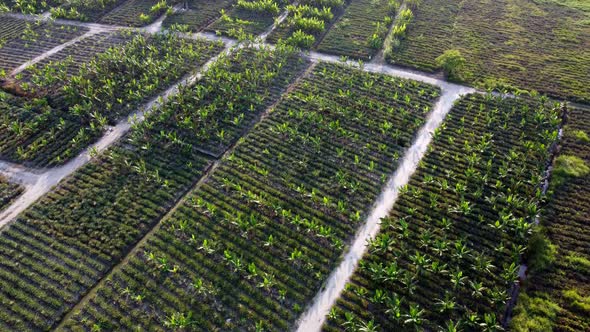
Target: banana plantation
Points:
(313, 165)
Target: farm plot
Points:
(198, 15)
(71, 112)
(8, 192)
(136, 13)
(79, 53)
(252, 244)
(450, 250)
(361, 31)
(557, 294)
(63, 244)
(307, 22)
(248, 17)
(11, 28)
(33, 41)
(509, 44)
(83, 10)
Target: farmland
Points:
(280, 206)
(559, 269)
(541, 45)
(278, 165)
(87, 223)
(64, 116)
(450, 249)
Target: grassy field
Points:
(510, 44)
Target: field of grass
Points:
(557, 293)
(253, 243)
(450, 249)
(506, 44)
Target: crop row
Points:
(361, 30)
(11, 28)
(28, 7)
(449, 251)
(198, 14)
(507, 45)
(8, 192)
(34, 40)
(82, 10)
(254, 242)
(557, 295)
(69, 112)
(64, 243)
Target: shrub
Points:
(581, 136)
(541, 252)
(260, 6)
(567, 166)
(451, 61)
(534, 314)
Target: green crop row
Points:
(450, 250)
(63, 244)
(252, 244)
(198, 14)
(248, 17)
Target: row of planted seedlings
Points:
(248, 17)
(197, 14)
(30, 40)
(58, 114)
(307, 22)
(556, 294)
(361, 31)
(11, 28)
(64, 244)
(28, 7)
(137, 13)
(449, 252)
(253, 243)
(9, 191)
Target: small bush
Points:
(541, 252)
(451, 62)
(534, 314)
(581, 136)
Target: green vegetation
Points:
(361, 30)
(533, 45)
(252, 244)
(567, 166)
(8, 192)
(450, 250)
(68, 112)
(198, 14)
(542, 252)
(72, 236)
(566, 224)
(534, 314)
(577, 301)
(451, 61)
